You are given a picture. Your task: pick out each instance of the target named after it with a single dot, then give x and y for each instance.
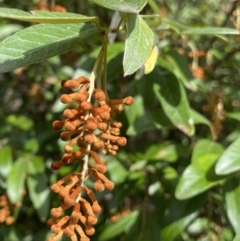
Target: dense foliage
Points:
(178, 176)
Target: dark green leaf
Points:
(37, 183)
(179, 218)
(232, 194)
(44, 16)
(123, 224)
(230, 160)
(129, 6)
(173, 99)
(42, 41)
(5, 160)
(199, 175)
(139, 43)
(179, 65)
(16, 179)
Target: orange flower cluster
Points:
(5, 210)
(89, 128)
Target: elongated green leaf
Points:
(199, 118)
(44, 16)
(178, 65)
(232, 194)
(212, 31)
(15, 180)
(37, 183)
(128, 6)
(139, 43)
(173, 99)
(199, 175)
(234, 115)
(120, 226)
(5, 160)
(230, 160)
(179, 218)
(42, 41)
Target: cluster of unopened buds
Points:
(89, 128)
(5, 210)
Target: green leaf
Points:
(199, 118)
(127, 6)
(20, 121)
(212, 31)
(150, 230)
(178, 218)
(5, 160)
(44, 16)
(234, 115)
(230, 160)
(116, 170)
(154, 119)
(42, 41)
(136, 110)
(173, 99)
(179, 66)
(199, 175)
(232, 194)
(37, 183)
(139, 44)
(15, 180)
(165, 151)
(123, 224)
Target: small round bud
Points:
(122, 141)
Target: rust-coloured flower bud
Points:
(58, 125)
(102, 126)
(99, 95)
(98, 185)
(122, 141)
(91, 125)
(86, 105)
(80, 97)
(70, 113)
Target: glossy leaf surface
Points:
(230, 160)
(200, 175)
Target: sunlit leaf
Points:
(5, 160)
(230, 160)
(232, 194)
(16, 179)
(42, 41)
(139, 43)
(151, 60)
(123, 224)
(200, 175)
(44, 16)
(212, 31)
(129, 6)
